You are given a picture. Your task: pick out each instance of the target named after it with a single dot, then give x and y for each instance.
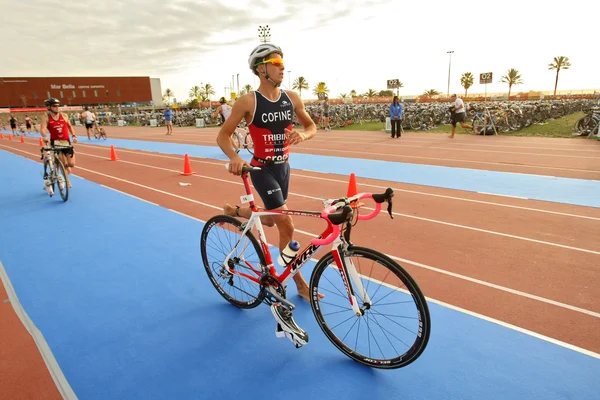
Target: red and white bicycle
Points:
(372, 309)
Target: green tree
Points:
(167, 95)
(559, 63)
(466, 81)
(300, 84)
(431, 92)
(208, 91)
(512, 77)
(321, 87)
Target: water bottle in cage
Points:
(288, 254)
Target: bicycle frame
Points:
(344, 264)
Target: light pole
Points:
(449, 64)
(264, 33)
(289, 80)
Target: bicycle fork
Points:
(350, 276)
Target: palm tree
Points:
(400, 85)
(168, 94)
(207, 90)
(512, 77)
(248, 88)
(195, 92)
(343, 95)
(466, 81)
(559, 63)
(371, 93)
(353, 93)
(300, 84)
(431, 92)
(321, 87)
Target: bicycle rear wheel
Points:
(248, 144)
(397, 311)
(219, 236)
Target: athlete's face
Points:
(275, 72)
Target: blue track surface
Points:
(537, 187)
(126, 307)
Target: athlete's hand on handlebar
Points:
(295, 137)
(236, 164)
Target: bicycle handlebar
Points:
(336, 219)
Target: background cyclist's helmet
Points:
(52, 102)
(260, 52)
(222, 100)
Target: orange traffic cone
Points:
(1, 136)
(41, 143)
(187, 167)
(22, 139)
(353, 190)
(113, 153)
(9, 136)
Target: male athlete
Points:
(268, 112)
(58, 125)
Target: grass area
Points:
(562, 127)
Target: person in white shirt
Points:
(89, 118)
(458, 114)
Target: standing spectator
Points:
(169, 120)
(396, 111)
(326, 113)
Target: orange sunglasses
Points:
(278, 62)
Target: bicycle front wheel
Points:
(61, 178)
(394, 327)
(220, 235)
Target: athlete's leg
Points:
(246, 212)
(68, 161)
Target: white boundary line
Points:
(51, 364)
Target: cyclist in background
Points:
(58, 126)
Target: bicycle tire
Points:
(237, 141)
(215, 222)
(60, 169)
(49, 172)
(385, 263)
(249, 144)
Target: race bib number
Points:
(247, 198)
(64, 143)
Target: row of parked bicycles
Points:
(501, 116)
(504, 116)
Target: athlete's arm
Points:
(43, 124)
(310, 129)
(238, 112)
(71, 129)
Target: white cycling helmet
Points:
(260, 52)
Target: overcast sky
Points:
(347, 44)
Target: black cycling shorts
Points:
(271, 184)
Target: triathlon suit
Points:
(28, 122)
(59, 133)
(271, 148)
